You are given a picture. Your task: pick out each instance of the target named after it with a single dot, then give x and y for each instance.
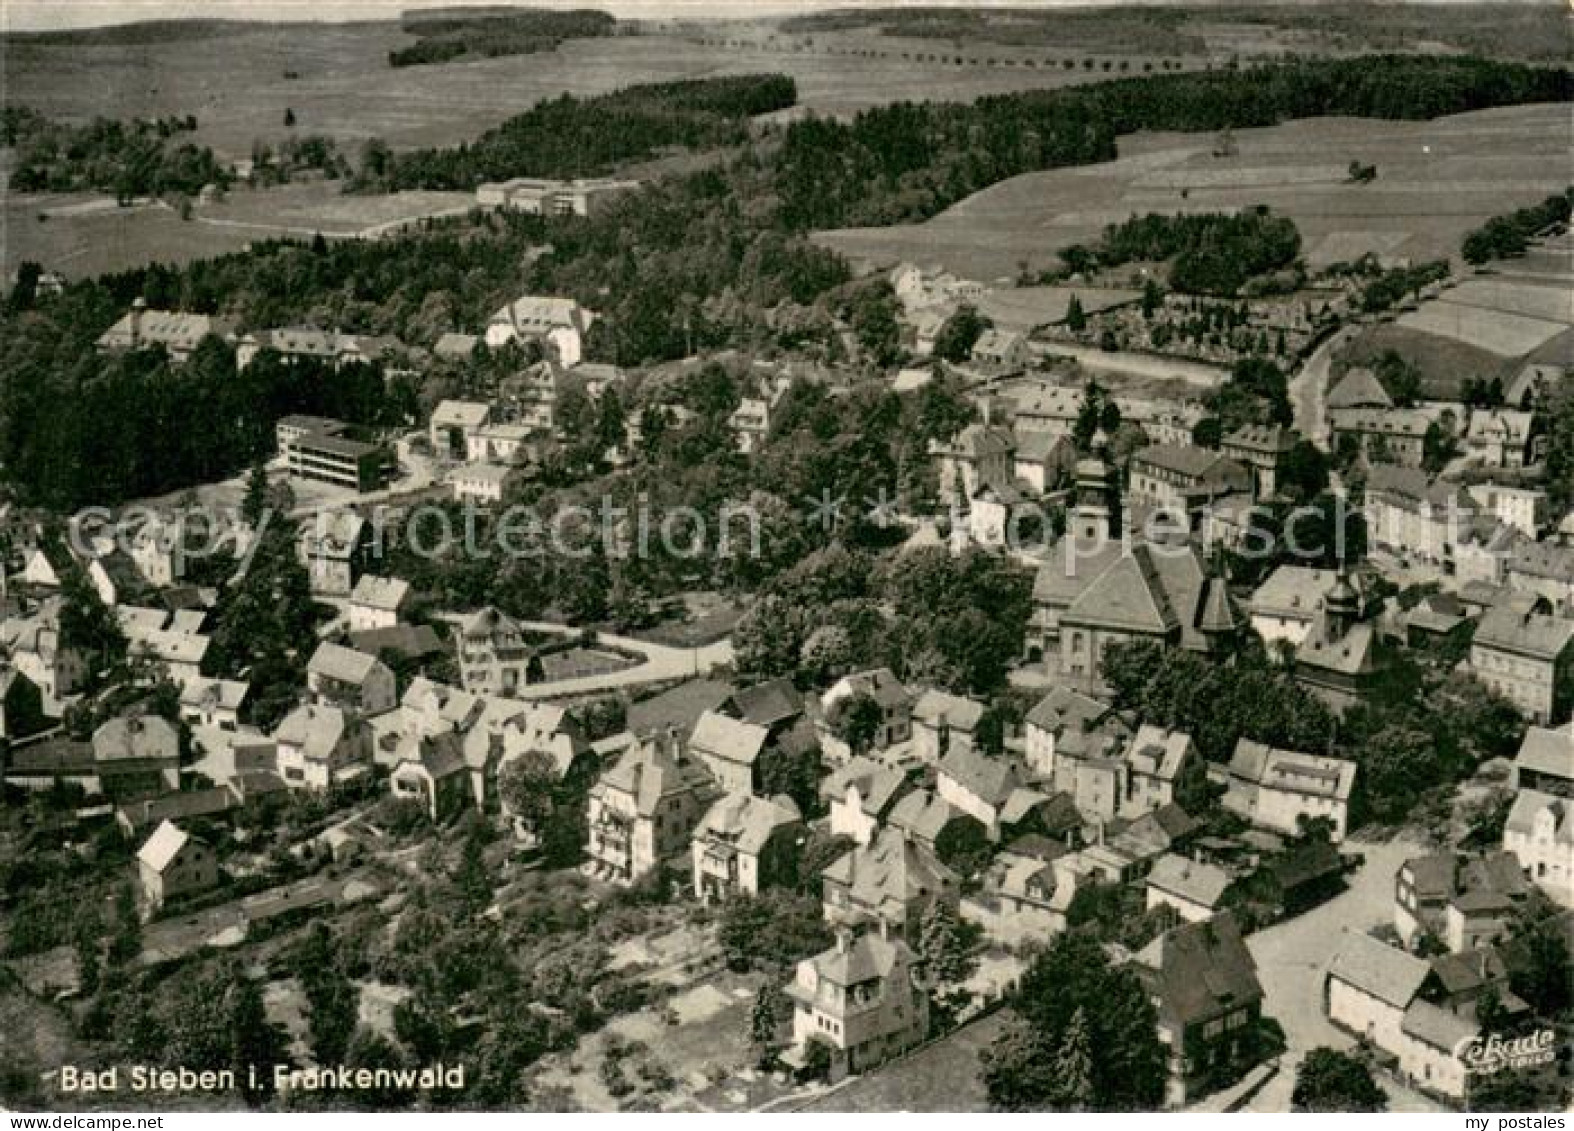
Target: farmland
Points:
(1436, 180)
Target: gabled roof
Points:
(864, 959)
(1547, 560)
(1199, 970)
(489, 622)
(767, 704)
(135, 737)
(991, 780)
(335, 661)
(648, 774)
(891, 872)
(1438, 1027)
(1291, 772)
(1189, 461)
(386, 594)
(1531, 804)
(1359, 388)
(160, 849)
(1537, 635)
(1270, 439)
(942, 709)
(924, 814)
(678, 707)
(316, 729)
(1203, 884)
(877, 683)
(1065, 707)
(1156, 752)
(1378, 970)
(877, 784)
(729, 739)
(537, 313)
(1128, 596)
(747, 822)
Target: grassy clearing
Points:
(1436, 180)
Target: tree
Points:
(956, 337)
(770, 1013)
(1540, 970)
(1152, 298)
(1073, 975)
(1076, 320)
(856, 720)
(254, 1040)
(528, 786)
(255, 502)
(944, 947)
(1329, 1080)
(1074, 1065)
(289, 118)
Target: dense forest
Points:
(1210, 253)
(492, 33)
(1509, 235)
(906, 162)
(580, 137)
(140, 158)
(705, 261)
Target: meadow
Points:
(1435, 181)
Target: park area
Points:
(1435, 181)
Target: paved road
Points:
(1292, 957)
(1309, 389)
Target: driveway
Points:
(1309, 389)
(1292, 957)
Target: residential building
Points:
(643, 810)
(342, 677)
(334, 547)
(1523, 652)
(1545, 761)
(888, 882)
(1048, 409)
(860, 796)
(1415, 517)
(1459, 901)
(1540, 833)
(1183, 478)
(494, 654)
(1276, 789)
(1285, 605)
(863, 998)
(1526, 509)
(895, 723)
(1203, 984)
(745, 844)
(378, 602)
(507, 445)
(575, 197)
(1195, 890)
(730, 749)
(135, 818)
(177, 333)
(178, 654)
(1068, 722)
(35, 648)
(172, 864)
(1392, 435)
(942, 722)
(430, 769)
(1262, 448)
(1544, 568)
(985, 788)
(452, 425)
(319, 746)
(1502, 437)
(484, 484)
(1001, 352)
(750, 422)
(956, 838)
(1043, 461)
(558, 324)
(136, 755)
(213, 702)
(979, 454)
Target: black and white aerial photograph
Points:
(742, 556)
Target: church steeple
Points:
(1093, 518)
(1341, 605)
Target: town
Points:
(680, 639)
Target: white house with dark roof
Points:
(1066, 719)
(430, 769)
(745, 844)
(171, 864)
(494, 654)
(888, 881)
(1275, 789)
(1502, 437)
(213, 702)
(943, 722)
(643, 810)
(889, 695)
(1539, 832)
(453, 423)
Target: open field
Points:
(1497, 331)
(1436, 180)
(236, 86)
(1022, 309)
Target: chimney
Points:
(138, 309)
(885, 932)
(843, 938)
